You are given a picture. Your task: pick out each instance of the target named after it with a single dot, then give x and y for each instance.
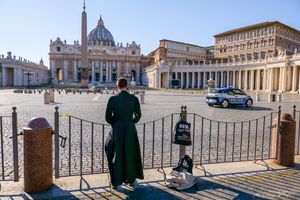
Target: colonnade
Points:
(281, 78)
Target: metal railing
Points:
(212, 142)
(9, 163)
(296, 116)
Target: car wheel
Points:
(225, 103)
(209, 104)
(249, 103)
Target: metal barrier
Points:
(9, 146)
(296, 116)
(212, 142)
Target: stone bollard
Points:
(279, 97)
(257, 96)
(271, 97)
(143, 97)
(46, 97)
(38, 175)
(51, 99)
(286, 140)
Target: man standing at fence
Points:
(122, 145)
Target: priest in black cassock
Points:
(122, 145)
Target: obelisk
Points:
(84, 56)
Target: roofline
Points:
(163, 40)
(250, 27)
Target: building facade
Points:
(21, 72)
(106, 59)
(278, 70)
(257, 41)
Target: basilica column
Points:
(106, 71)
(101, 71)
(52, 68)
(75, 70)
(109, 71)
(65, 71)
(294, 81)
(93, 71)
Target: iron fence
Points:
(296, 116)
(212, 142)
(9, 165)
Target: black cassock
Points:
(122, 145)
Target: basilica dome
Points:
(100, 35)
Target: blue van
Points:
(228, 96)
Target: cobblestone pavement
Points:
(243, 181)
(157, 105)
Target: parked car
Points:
(228, 96)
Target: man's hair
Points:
(122, 83)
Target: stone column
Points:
(240, 79)
(187, 79)
(53, 70)
(265, 78)
(181, 80)
(246, 80)
(193, 79)
(222, 79)
(106, 71)
(199, 76)
(227, 79)
(159, 79)
(258, 80)
(65, 71)
(216, 79)
(101, 71)
(233, 79)
(118, 69)
(271, 76)
(294, 82)
(109, 71)
(283, 79)
(168, 80)
(75, 70)
(93, 71)
(204, 79)
(252, 80)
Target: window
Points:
(239, 92)
(133, 52)
(58, 49)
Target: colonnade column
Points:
(246, 80)
(109, 74)
(199, 76)
(252, 80)
(258, 80)
(265, 80)
(294, 82)
(181, 80)
(271, 79)
(222, 79)
(193, 80)
(101, 71)
(233, 79)
(216, 79)
(187, 80)
(204, 79)
(227, 79)
(240, 79)
(283, 79)
(65, 71)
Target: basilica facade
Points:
(106, 59)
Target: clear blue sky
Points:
(28, 25)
